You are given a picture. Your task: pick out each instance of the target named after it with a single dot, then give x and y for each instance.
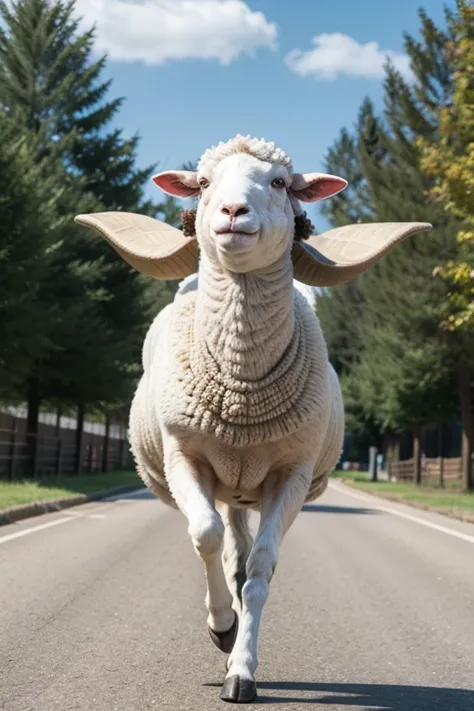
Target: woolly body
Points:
(242, 429)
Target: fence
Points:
(56, 449)
(432, 470)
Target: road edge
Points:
(449, 513)
(13, 514)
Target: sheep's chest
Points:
(198, 397)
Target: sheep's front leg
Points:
(193, 485)
(283, 496)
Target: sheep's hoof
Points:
(225, 640)
(239, 691)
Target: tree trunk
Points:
(58, 422)
(417, 454)
(34, 402)
(440, 456)
(105, 450)
(467, 427)
(81, 412)
(373, 451)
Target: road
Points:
(372, 607)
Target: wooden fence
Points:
(57, 449)
(432, 470)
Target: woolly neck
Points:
(245, 322)
(247, 357)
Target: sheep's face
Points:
(245, 216)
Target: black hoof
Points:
(239, 691)
(225, 640)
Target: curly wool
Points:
(257, 147)
(206, 398)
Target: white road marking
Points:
(34, 529)
(69, 515)
(415, 519)
(74, 514)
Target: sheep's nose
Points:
(234, 209)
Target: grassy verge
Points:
(25, 492)
(450, 502)
(350, 476)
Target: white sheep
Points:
(238, 407)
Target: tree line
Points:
(402, 335)
(73, 315)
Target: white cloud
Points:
(337, 55)
(154, 31)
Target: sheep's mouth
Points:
(233, 241)
(233, 231)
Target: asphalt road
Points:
(372, 607)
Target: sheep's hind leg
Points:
(282, 498)
(193, 485)
(237, 546)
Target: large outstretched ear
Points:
(150, 246)
(179, 183)
(309, 187)
(343, 253)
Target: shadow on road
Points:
(379, 696)
(321, 508)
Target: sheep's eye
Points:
(204, 183)
(278, 183)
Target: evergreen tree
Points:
(402, 370)
(27, 215)
(95, 301)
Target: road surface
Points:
(371, 607)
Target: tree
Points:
(27, 215)
(354, 204)
(95, 302)
(402, 370)
(449, 160)
(341, 309)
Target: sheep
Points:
(238, 407)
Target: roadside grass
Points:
(410, 493)
(25, 492)
(350, 476)
(448, 500)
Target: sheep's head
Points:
(249, 197)
(248, 209)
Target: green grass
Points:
(445, 501)
(24, 492)
(350, 476)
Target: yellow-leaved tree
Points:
(450, 162)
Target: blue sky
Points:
(194, 72)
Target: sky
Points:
(196, 72)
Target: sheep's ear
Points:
(150, 246)
(309, 187)
(180, 183)
(343, 253)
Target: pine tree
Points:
(354, 204)
(27, 215)
(403, 370)
(341, 309)
(96, 301)
(411, 303)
